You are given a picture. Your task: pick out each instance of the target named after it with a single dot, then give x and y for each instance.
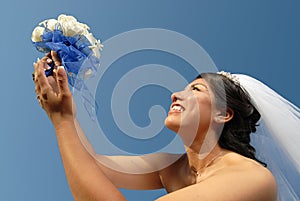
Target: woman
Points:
(219, 163)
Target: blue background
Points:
(260, 38)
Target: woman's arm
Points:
(85, 178)
(129, 172)
(88, 178)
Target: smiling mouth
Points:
(177, 108)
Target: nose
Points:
(173, 97)
(180, 95)
(176, 96)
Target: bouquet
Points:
(77, 48)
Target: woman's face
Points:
(191, 109)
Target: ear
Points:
(222, 117)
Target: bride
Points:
(214, 116)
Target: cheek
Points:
(205, 111)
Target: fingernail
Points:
(49, 60)
(58, 69)
(54, 70)
(49, 67)
(38, 59)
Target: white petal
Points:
(87, 74)
(36, 34)
(51, 24)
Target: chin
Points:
(171, 124)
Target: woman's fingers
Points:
(53, 92)
(62, 80)
(53, 83)
(42, 80)
(55, 58)
(34, 74)
(38, 76)
(47, 58)
(45, 87)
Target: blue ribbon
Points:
(76, 57)
(74, 52)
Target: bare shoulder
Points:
(239, 178)
(243, 170)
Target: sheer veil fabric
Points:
(277, 138)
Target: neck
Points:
(198, 162)
(204, 150)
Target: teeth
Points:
(177, 108)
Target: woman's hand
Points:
(53, 92)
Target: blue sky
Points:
(259, 38)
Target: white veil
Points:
(277, 139)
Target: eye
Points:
(195, 88)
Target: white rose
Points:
(95, 46)
(90, 38)
(70, 26)
(36, 34)
(51, 24)
(96, 49)
(43, 23)
(67, 23)
(84, 26)
(65, 18)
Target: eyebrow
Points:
(198, 83)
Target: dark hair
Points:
(236, 132)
